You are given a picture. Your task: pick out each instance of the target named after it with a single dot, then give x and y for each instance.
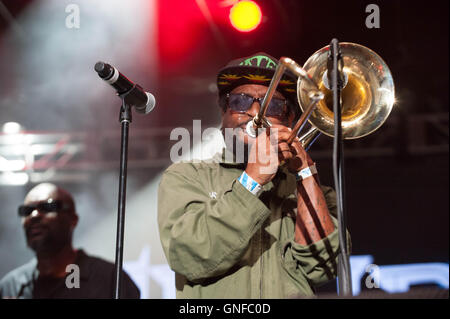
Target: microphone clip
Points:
(342, 77)
(128, 100)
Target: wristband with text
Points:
(248, 182)
(306, 172)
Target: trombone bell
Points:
(366, 100)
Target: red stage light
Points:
(245, 15)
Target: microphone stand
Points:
(125, 120)
(336, 62)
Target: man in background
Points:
(59, 271)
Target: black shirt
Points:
(95, 281)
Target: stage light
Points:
(245, 16)
(11, 178)
(12, 128)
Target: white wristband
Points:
(306, 172)
(249, 183)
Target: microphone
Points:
(144, 102)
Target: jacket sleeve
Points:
(317, 261)
(204, 237)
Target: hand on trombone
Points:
(271, 149)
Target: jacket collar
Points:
(228, 158)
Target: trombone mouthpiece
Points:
(256, 123)
(250, 129)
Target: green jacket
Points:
(224, 242)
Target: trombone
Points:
(367, 96)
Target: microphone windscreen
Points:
(151, 102)
(104, 70)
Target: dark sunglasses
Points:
(241, 103)
(44, 207)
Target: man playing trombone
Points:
(261, 227)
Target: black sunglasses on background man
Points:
(44, 207)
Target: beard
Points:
(46, 241)
(238, 144)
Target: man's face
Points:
(239, 121)
(47, 231)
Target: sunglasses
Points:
(44, 207)
(241, 103)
